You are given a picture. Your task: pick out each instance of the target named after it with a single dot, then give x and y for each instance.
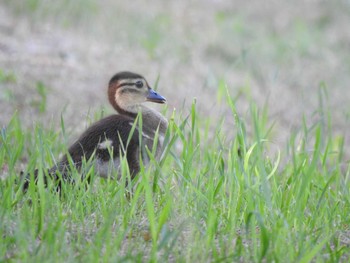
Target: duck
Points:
(119, 135)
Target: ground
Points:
(290, 58)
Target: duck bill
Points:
(155, 97)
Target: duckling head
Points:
(127, 90)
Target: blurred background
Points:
(56, 58)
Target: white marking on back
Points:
(143, 134)
(146, 136)
(105, 144)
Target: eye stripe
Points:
(127, 84)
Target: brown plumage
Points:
(105, 140)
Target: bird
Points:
(118, 135)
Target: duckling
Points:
(117, 134)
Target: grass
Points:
(214, 196)
(209, 198)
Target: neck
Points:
(151, 118)
(125, 111)
(154, 120)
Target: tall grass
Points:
(209, 198)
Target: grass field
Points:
(203, 202)
(256, 168)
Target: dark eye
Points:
(139, 84)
